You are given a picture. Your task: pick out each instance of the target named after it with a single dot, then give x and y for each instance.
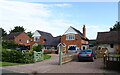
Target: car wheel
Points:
(92, 59)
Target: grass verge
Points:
(9, 64)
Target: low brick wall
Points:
(52, 51)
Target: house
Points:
(48, 42)
(73, 39)
(109, 41)
(92, 44)
(20, 38)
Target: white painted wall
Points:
(70, 30)
(108, 47)
(36, 33)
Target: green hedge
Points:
(17, 56)
(47, 52)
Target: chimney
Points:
(84, 31)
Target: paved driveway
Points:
(40, 67)
(82, 67)
(51, 66)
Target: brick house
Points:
(73, 39)
(20, 38)
(48, 42)
(109, 41)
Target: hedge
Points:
(17, 56)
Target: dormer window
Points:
(70, 37)
(36, 38)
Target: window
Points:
(20, 40)
(72, 48)
(27, 41)
(70, 37)
(36, 38)
(111, 45)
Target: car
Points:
(88, 54)
(73, 50)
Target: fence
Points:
(38, 56)
(111, 62)
(67, 58)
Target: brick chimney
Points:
(84, 31)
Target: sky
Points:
(56, 17)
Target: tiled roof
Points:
(82, 36)
(11, 35)
(49, 39)
(108, 37)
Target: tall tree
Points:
(29, 34)
(17, 29)
(116, 27)
(3, 32)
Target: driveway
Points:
(39, 67)
(82, 67)
(51, 66)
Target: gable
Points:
(36, 33)
(23, 35)
(70, 30)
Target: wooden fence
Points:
(68, 58)
(38, 56)
(111, 62)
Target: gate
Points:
(64, 57)
(38, 56)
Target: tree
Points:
(116, 27)
(4, 33)
(37, 48)
(29, 34)
(9, 44)
(17, 29)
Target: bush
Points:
(17, 56)
(9, 44)
(37, 48)
(47, 52)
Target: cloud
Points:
(61, 5)
(31, 16)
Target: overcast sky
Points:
(57, 17)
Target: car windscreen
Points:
(88, 50)
(82, 51)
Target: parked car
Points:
(88, 54)
(73, 50)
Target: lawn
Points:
(117, 55)
(47, 56)
(100, 55)
(9, 64)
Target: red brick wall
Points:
(33, 42)
(78, 42)
(24, 37)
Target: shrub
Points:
(47, 52)
(37, 48)
(9, 44)
(17, 56)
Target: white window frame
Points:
(38, 38)
(70, 37)
(28, 41)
